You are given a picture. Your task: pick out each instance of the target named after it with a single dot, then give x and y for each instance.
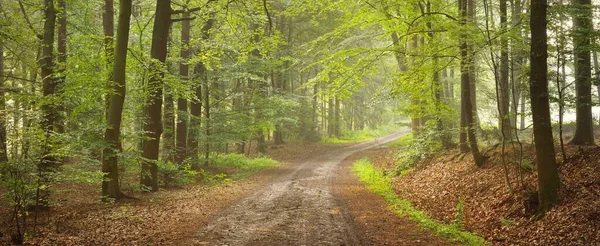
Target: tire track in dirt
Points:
(297, 208)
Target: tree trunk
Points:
(466, 100)
(3, 145)
(168, 134)
(48, 162)
(196, 105)
(62, 62)
(108, 24)
(110, 182)
(337, 124)
(548, 179)
(582, 24)
(153, 124)
(503, 88)
(182, 103)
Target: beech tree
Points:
(110, 168)
(154, 101)
(582, 25)
(548, 180)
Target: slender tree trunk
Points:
(517, 61)
(548, 180)
(196, 105)
(153, 124)
(337, 123)
(182, 103)
(110, 168)
(62, 63)
(108, 23)
(467, 105)
(168, 134)
(3, 143)
(582, 24)
(464, 92)
(504, 89)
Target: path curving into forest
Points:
(297, 208)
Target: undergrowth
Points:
(382, 185)
(245, 165)
(362, 135)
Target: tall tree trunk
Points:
(182, 103)
(48, 161)
(207, 123)
(62, 63)
(3, 143)
(168, 128)
(108, 23)
(466, 100)
(153, 124)
(582, 24)
(196, 105)
(504, 89)
(110, 168)
(548, 180)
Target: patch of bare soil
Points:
(440, 184)
(370, 212)
(166, 217)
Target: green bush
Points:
(172, 175)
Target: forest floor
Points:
(311, 200)
(451, 189)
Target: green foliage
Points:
(381, 184)
(173, 175)
(527, 164)
(245, 166)
(362, 135)
(417, 148)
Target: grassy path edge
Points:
(382, 185)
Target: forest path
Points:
(297, 208)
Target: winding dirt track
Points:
(297, 208)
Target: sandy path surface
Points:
(297, 208)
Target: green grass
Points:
(403, 141)
(382, 185)
(363, 135)
(245, 165)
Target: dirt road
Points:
(297, 208)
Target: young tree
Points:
(548, 180)
(110, 168)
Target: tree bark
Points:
(62, 62)
(504, 89)
(48, 162)
(548, 179)
(110, 182)
(582, 24)
(3, 143)
(182, 103)
(466, 100)
(153, 124)
(108, 23)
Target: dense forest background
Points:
(143, 93)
